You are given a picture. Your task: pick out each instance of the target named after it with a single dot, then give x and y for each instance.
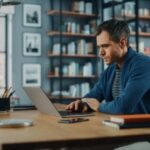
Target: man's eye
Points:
(103, 46)
(106, 45)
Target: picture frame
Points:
(31, 75)
(32, 44)
(32, 15)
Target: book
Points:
(135, 118)
(126, 125)
(88, 8)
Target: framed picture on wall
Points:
(32, 44)
(32, 15)
(31, 75)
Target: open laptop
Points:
(45, 105)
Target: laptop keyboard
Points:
(68, 113)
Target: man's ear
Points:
(123, 42)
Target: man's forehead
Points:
(103, 37)
(104, 34)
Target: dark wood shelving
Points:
(71, 14)
(132, 17)
(144, 34)
(80, 22)
(68, 34)
(70, 77)
(128, 18)
(72, 56)
(144, 17)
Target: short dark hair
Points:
(116, 29)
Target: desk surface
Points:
(48, 133)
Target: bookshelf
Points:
(73, 52)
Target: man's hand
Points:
(92, 103)
(84, 105)
(77, 105)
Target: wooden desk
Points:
(47, 133)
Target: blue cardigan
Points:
(135, 86)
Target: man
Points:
(124, 87)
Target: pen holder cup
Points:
(4, 104)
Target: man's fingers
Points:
(70, 106)
(74, 106)
(77, 103)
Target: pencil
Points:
(11, 93)
(6, 92)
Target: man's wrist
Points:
(84, 99)
(91, 104)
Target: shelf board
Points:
(68, 34)
(144, 17)
(128, 18)
(145, 34)
(72, 56)
(133, 17)
(71, 14)
(63, 97)
(69, 77)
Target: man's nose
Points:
(101, 52)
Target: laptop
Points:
(45, 105)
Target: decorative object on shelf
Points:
(82, 7)
(32, 44)
(31, 75)
(32, 15)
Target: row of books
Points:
(143, 27)
(79, 90)
(82, 7)
(142, 48)
(129, 10)
(75, 90)
(75, 69)
(74, 27)
(81, 47)
(128, 121)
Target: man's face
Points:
(108, 50)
